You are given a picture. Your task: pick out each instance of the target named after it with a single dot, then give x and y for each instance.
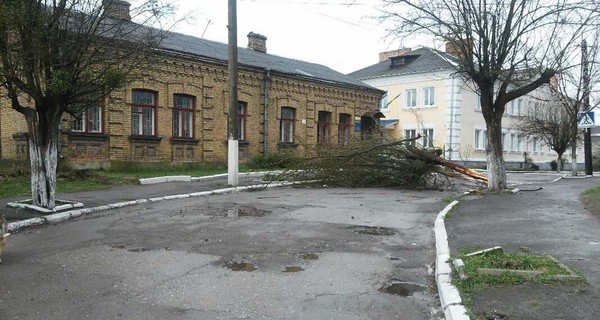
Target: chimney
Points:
(117, 9)
(453, 48)
(257, 42)
(383, 56)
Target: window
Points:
(480, 142)
(515, 107)
(411, 98)
(410, 134)
(429, 96)
(385, 102)
(535, 146)
(504, 144)
(428, 138)
(143, 113)
(515, 142)
(242, 114)
(286, 125)
(89, 121)
(183, 116)
(344, 127)
(478, 102)
(323, 127)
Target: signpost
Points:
(586, 120)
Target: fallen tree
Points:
(380, 163)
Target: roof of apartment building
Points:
(406, 62)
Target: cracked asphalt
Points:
(316, 254)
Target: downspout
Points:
(450, 147)
(265, 112)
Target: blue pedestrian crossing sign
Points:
(585, 120)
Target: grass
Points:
(89, 180)
(477, 282)
(591, 200)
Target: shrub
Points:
(272, 161)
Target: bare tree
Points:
(506, 48)
(552, 123)
(62, 56)
(571, 92)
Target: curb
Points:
(63, 216)
(165, 179)
(449, 295)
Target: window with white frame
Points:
(535, 145)
(428, 138)
(480, 138)
(515, 142)
(477, 102)
(411, 98)
(410, 134)
(504, 144)
(385, 102)
(90, 120)
(515, 107)
(429, 96)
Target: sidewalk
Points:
(551, 221)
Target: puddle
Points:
(403, 289)
(372, 231)
(241, 266)
(293, 269)
(138, 250)
(235, 211)
(309, 256)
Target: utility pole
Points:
(587, 139)
(232, 145)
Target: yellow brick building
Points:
(177, 109)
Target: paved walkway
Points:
(551, 221)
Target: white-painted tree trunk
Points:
(574, 157)
(43, 158)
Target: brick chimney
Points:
(257, 42)
(452, 47)
(394, 53)
(117, 9)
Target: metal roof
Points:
(422, 60)
(186, 44)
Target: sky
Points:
(341, 34)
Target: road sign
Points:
(585, 120)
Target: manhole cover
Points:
(400, 288)
(373, 231)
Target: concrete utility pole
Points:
(232, 146)
(587, 139)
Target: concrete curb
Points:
(449, 295)
(67, 215)
(166, 179)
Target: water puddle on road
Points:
(241, 266)
(400, 288)
(293, 269)
(372, 231)
(309, 256)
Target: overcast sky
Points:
(340, 34)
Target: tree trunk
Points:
(574, 157)
(559, 164)
(496, 168)
(43, 158)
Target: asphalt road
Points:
(283, 253)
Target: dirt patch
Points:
(592, 203)
(372, 231)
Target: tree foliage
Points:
(506, 48)
(63, 56)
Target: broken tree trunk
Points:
(448, 164)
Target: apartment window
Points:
(504, 144)
(429, 96)
(90, 121)
(515, 107)
(344, 127)
(385, 102)
(535, 147)
(286, 125)
(242, 114)
(428, 138)
(480, 142)
(410, 134)
(323, 127)
(515, 142)
(143, 113)
(183, 116)
(478, 102)
(411, 98)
